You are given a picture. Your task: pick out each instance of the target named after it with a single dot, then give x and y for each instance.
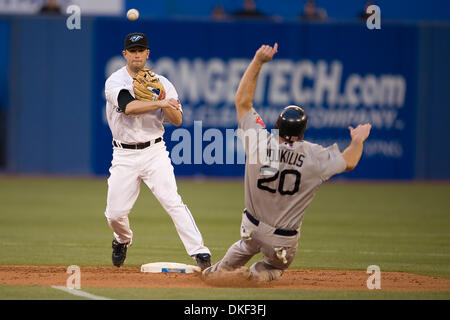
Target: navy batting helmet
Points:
(291, 122)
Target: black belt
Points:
(280, 232)
(142, 145)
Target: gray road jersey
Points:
(280, 187)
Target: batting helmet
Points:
(291, 122)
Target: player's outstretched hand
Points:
(266, 53)
(361, 132)
(170, 103)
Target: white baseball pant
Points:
(151, 165)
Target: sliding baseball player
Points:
(280, 187)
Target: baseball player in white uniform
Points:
(280, 186)
(139, 154)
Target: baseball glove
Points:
(147, 86)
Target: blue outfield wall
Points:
(433, 128)
(4, 63)
(4, 87)
(49, 113)
(341, 73)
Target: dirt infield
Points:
(292, 279)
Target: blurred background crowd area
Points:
(225, 10)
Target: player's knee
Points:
(116, 215)
(264, 272)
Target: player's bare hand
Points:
(265, 53)
(170, 103)
(162, 95)
(361, 132)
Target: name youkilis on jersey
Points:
(285, 156)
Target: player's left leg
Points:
(236, 256)
(160, 178)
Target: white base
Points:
(165, 267)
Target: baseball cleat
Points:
(119, 252)
(203, 260)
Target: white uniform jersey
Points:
(279, 194)
(133, 128)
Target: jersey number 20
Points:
(263, 181)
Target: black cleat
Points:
(203, 260)
(119, 252)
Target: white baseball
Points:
(132, 14)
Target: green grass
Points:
(397, 226)
(35, 293)
(47, 293)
